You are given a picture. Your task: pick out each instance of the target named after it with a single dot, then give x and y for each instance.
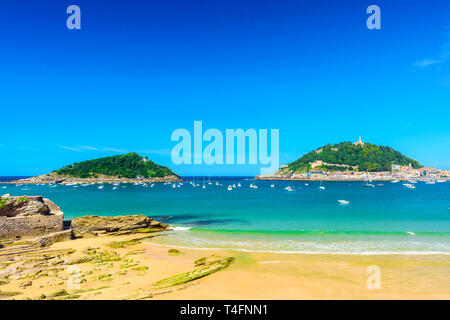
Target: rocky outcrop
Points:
(94, 225)
(28, 216)
(24, 206)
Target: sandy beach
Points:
(132, 267)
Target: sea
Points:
(204, 214)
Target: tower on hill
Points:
(359, 142)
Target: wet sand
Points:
(250, 276)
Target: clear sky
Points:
(137, 70)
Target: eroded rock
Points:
(94, 225)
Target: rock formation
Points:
(28, 216)
(93, 225)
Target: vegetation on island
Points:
(346, 156)
(130, 165)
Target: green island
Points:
(347, 156)
(130, 165)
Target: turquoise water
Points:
(388, 219)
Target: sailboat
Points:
(203, 183)
(367, 184)
(209, 180)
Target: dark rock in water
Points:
(93, 225)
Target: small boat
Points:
(288, 188)
(239, 185)
(272, 186)
(306, 184)
(410, 233)
(410, 186)
(345, 202)
(115, 188)
(100, 187)
(321, 187)
(380, 185)
(230, 188)
(430, 182)
(395, 181)
(367, 184)
(440, 181)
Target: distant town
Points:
(344, 172)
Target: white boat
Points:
(345, 202)
(114, 188)
(239, 184)
(366, 183)
(409, 185)
(321, 187)
(430, 182)
(100, 187)
(395, 181)
(306, 184)
(288, 188)
(440, 181)
(230, 188)
(272, 186)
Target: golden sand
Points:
(250, 276)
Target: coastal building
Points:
(317, 174)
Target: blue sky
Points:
(137, 70)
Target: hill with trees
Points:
(130, 166)
(346, 156)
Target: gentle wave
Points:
(307, 252)
(407, 233)
(181, 228)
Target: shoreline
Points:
(93, 181)
(333, 179)
(251, 275)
